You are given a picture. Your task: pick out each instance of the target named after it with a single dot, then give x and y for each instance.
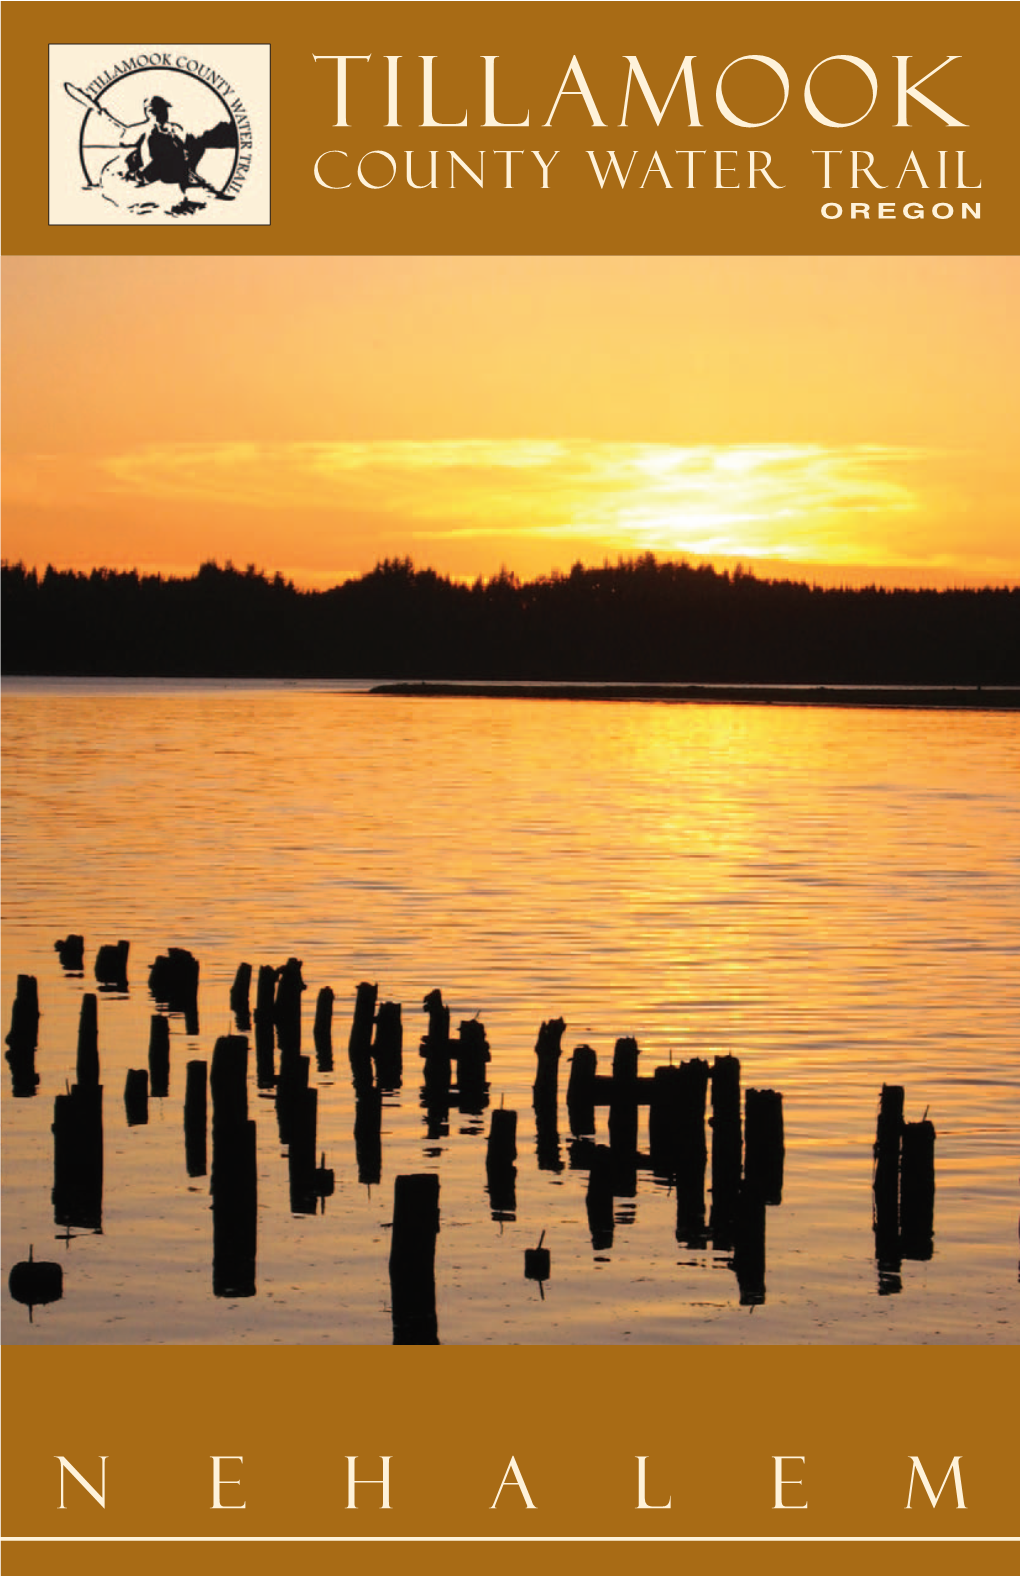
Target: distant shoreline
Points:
(914, 697)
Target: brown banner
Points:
(543, 128)
(764, 1444)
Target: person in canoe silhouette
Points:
(160, 155)
(158, 151)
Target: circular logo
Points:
(158, 140)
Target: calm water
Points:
(832, 896)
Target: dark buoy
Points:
(537, 1264)
(36, 1282)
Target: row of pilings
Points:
(686, 1102)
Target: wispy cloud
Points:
(769, 500)
(765, 502)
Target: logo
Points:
(176, 135)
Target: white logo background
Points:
(206, 85)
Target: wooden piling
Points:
(413, 1259)
(388, 1046)
(173, 982)
(473, 1056)
(78, 1158)
(548, 1049)
(500, 1171)
(368, 1135)
(25, 1013)
(764, 1148)
(159, 1056)
(359, 1045)
(287, 1007)
(23, 1038)
(322, 1033)
(88, 1042)
(195, 1118)
(228, 1080)
(136, 1096)
(888, 1140)
(71, 952)
(301, 1152)
(917, 1190)
(435, 1047)
(726, 1149)
(581, 1091)
(234, 1191)
(240, 994)
(111, 965)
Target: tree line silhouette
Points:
(638, 619)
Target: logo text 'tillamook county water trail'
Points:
(164, 135)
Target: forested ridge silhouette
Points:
(637, 619)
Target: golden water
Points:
(833, 896)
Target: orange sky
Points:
(845, 418)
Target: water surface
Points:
(831, 896)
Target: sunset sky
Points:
(845, 419)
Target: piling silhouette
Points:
(159, 1056)
(917, 1190)
(195, 1119)
(435, 1046)
(413, 1260)
(388, 1046)
(71, 952)
(473, 1057)
(581, 1091)
(136, 1096)
(265, 1028)
(368, 1135)
(78, 1158)
(173, 983)
(23, 1038)
(322, 1033)
(88, 1042)
(500, 1170)
(287, 1007)
(548, 1049)
(240, 994)
(726, 1149)
(234, 1181)
(112, 964)
(359, 1044)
